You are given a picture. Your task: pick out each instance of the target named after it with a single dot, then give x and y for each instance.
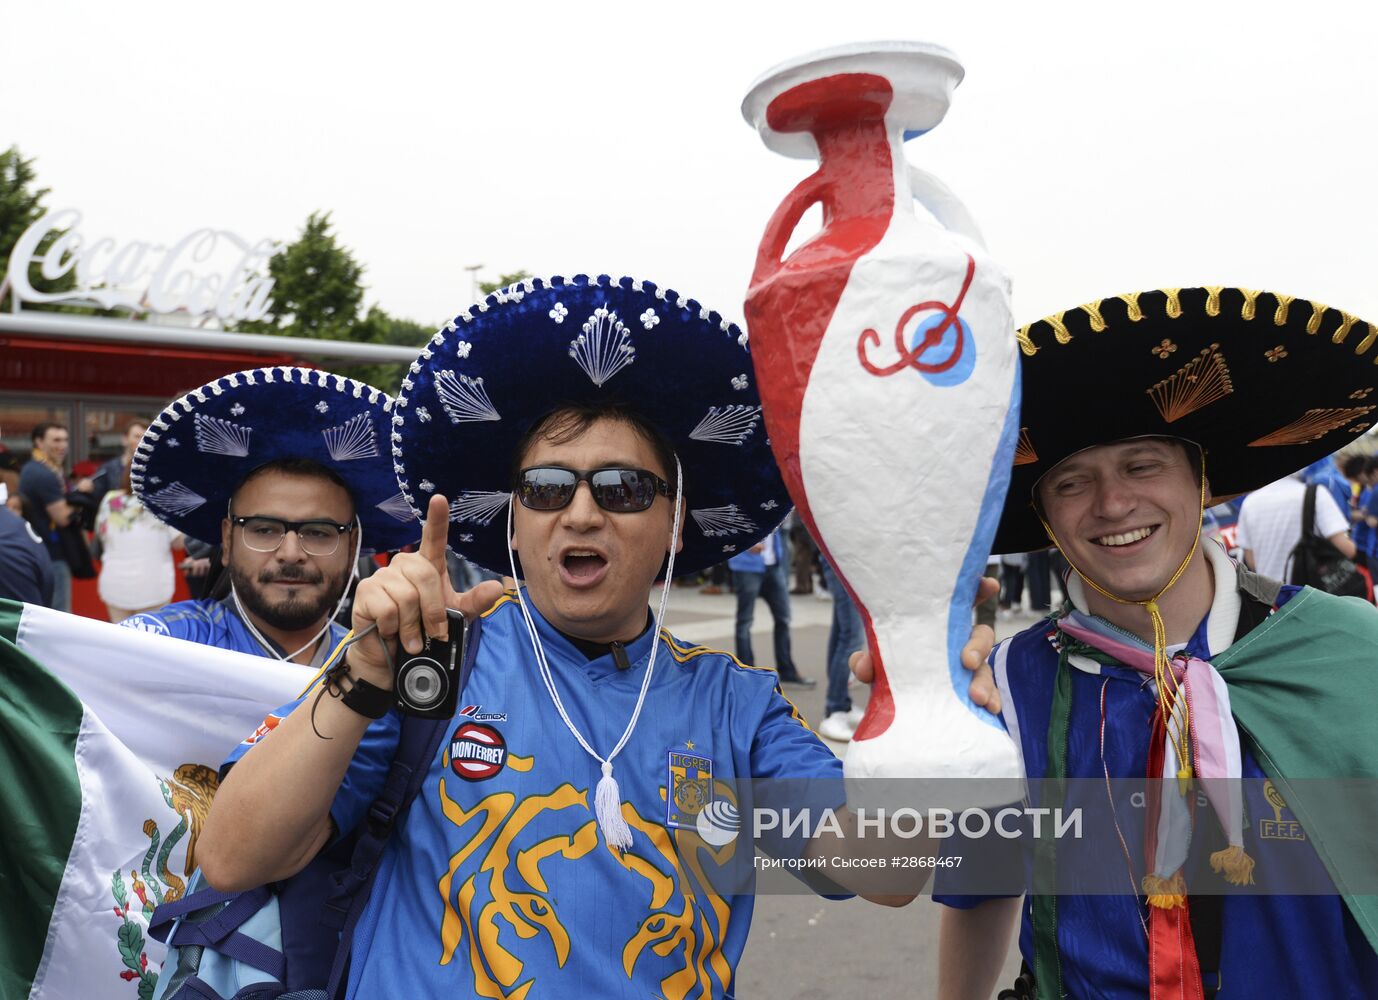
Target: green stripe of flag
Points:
(39, 721)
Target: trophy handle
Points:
(946, 207)
(770, 255)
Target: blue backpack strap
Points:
(221, 930)
(235, 945)
(166, 913)
(416, 747)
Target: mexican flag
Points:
(110, 740)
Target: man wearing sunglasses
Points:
(277, 466)
(561, 843)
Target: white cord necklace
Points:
(608, 797)
(271, 647)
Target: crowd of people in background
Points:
(54, 527)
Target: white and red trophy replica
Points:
(887, 362)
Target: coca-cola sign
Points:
(208, 272)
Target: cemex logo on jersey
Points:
(477, 752)
(477, 713)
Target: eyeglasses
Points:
(317, 538)
(621, 491)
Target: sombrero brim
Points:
(1266, 383)
(201, 447)
(499, 367)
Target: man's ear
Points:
(516, 527)
(226, 533)
(679, 530)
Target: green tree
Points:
(316, 286)
(377, 327)
(318, 293)
(21, 205)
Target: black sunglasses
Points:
(621, 491)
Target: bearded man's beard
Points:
(293, 612)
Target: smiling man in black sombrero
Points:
(591, 437)
(1171, 662)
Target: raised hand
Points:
(408, 598)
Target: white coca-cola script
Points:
(207, 272)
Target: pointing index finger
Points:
(434, 532)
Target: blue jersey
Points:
(26, 571)
(217, 623)
(1326, 473)
(500, 883)
(1366, 538)
(1271, 945)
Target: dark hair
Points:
(40, 430)
(567, 423)
(1354, 466)
(304, 467)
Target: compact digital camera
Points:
(427, 683)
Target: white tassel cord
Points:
(607, 798)
(607, 806)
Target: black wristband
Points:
(369, 700)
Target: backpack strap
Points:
(1301, 560)
(416, 747)
(166, 913)
(1308, 513)
(1258, 596)
(220, 931)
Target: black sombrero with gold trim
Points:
(1266, 383)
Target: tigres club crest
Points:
(689, 785)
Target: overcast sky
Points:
(1101, 152)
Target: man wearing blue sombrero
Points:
(558, 846)
(289, 470)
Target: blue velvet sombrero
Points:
(199, 449)
(502, 365)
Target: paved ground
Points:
(802, 946)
